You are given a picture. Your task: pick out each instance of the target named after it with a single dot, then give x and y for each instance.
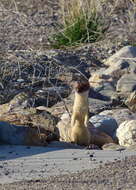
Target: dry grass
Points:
(82, 22)
(73, 9)
(26, 25)
(89, 20)
(29, 24)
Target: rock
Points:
(103, 85)
(20, 135)
(97, 105)
(64, 128)
(20, 100)
(127, 83)
(97, 137)
(48, 97)
(123, 54)
(117, 66)
(107, 90)
(117, 69)
(20, 80)
(122, 62)
(19, 112)
(110, 75)
(126, 133)
(113, 146)
(131, 101)
(105, 124)
(31, 117)
(28, 126)
(132, 147)
(35, 124)
(98, 78)
(120, 114)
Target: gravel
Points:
(116, 175)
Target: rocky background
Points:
(35, 79)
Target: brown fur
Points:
(79, 131)
(81, 86)
(80, 107)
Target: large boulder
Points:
(122, 62)
(107, 91)
(113, 146)
(126, 133)
(104, 87)
(117, 69)
(98, 103)
(124, 53)
(18, 118)
(31, 118)
(120, 114)
(127, 83)
(21, 135)
(105, 124)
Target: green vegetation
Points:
(82, 22)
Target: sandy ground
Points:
(19, 163)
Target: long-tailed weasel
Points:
(79, 131)
(81, 107)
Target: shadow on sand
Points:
(10, 152)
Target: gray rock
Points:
(96, 105)
(127, 83)
(106, 90)
(120, 115)
(105, 124)
(125, 54)
(12, 134)
(113, 146)
(126, 133)
(21, 135)
(119, 68)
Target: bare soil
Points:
(118, 175)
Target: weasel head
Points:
(81, 86)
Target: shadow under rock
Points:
(10, 152)
(97, 95)
(13, 143)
